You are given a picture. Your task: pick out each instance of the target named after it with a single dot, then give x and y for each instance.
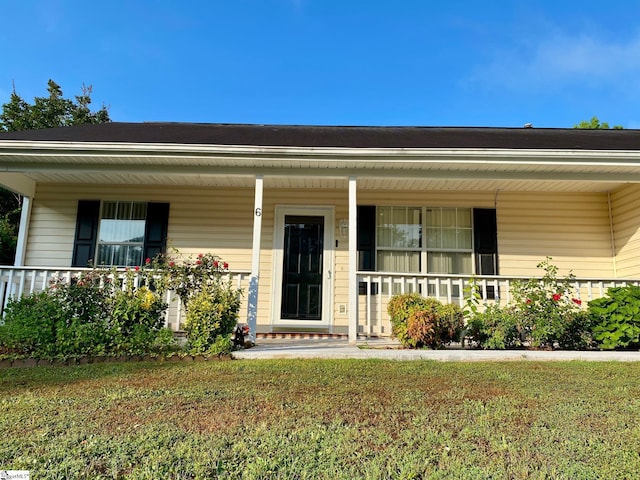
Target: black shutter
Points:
(366, 244)
(84, 247)
(485, 232)
(155, 234)
(366, 238)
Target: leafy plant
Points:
(424, 322)
(400, 308)
(495, 328)
(543, 314)
(212, 313)
(616, 318)
(30, 325)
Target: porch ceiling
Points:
(304, 167)
(434, 184)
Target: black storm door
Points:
(302, 270)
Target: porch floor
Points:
(388, 349)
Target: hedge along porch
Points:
(354, 214)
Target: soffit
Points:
(298, 182)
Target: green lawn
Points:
(322, 419)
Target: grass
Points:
(322, 419)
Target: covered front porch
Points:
(578, 207)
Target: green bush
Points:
(543, 314)
(92, 314)
(86, 316)
(137, 316)
(419, 322)
(30, 325)
(616, 318)
(211, 313)
(494, 328)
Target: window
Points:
(449, 244)
(399, 239)
(421, 239)
(121, 233)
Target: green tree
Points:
(45, 112)
(51, 111)
(595, 124)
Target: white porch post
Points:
(21, 246)
(353, 263)
(252, 298)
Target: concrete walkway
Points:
(389, 350)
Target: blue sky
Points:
(333, 62)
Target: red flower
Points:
(215, 263)
(577, 301)
(137, 268)
(147, 261)
(556, 297)
(172, 264)
(225, 265)
(200, 255)
(528, 301)
(198, 262)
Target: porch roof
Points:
(337, 136)
(290, 156)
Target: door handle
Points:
(329, 274)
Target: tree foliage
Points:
(45, 112)
(595, 124)
(51, 111)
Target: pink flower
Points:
(225, 265)
(198, 262)
(577, 301)
(556, 297)
(147, 261)
(137, 268)
(172, 264)
(200, 255)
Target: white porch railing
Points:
(377, 288)
(18, 281)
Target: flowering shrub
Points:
(137, 313)
(101, 312)
(89, 315)
(191, 275)
(543, 314)
(211, 302)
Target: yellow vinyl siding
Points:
(625, 208)
(572, 228)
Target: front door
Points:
(304, 267)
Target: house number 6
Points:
(258, 212)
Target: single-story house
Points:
(321, 224)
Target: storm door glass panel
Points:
(121, 234)
(302, 267)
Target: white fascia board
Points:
(349, 158)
